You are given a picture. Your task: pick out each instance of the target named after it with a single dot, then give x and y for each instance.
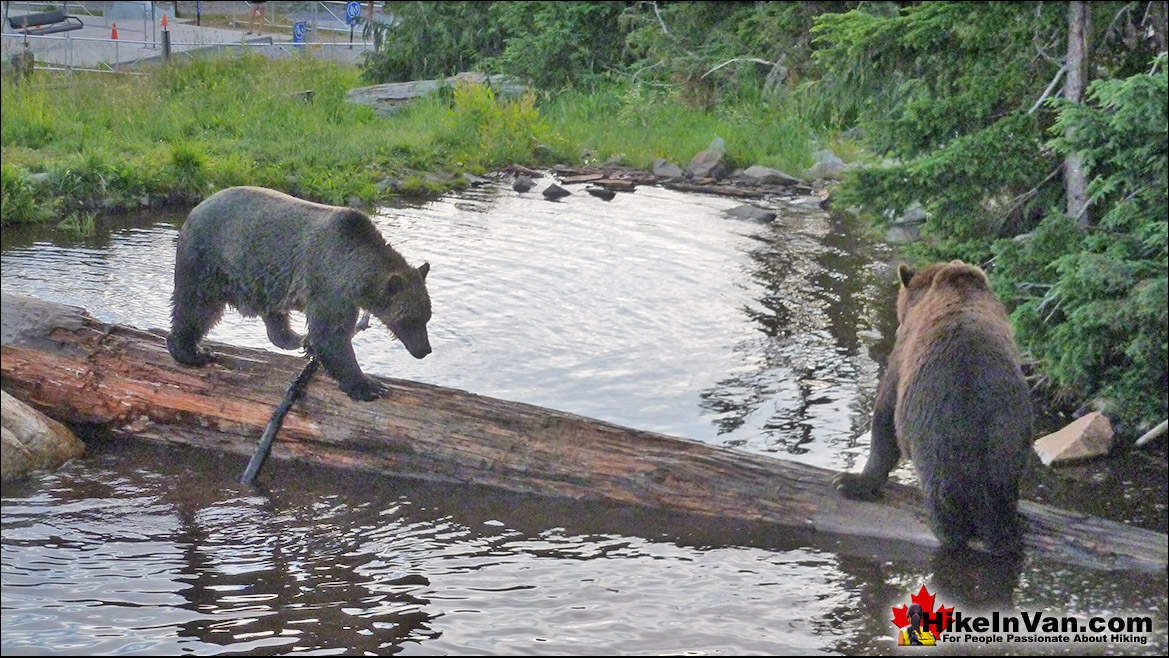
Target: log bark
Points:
(76, 368)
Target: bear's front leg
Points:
(331, 344)
(884, 452)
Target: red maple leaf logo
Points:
(939, 619)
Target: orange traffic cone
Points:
(164, 20)
(114, 34)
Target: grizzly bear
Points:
(953, 399)
(267, 253)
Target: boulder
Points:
(827, 165)
(761, 174)
(523, 183)
(475, 181)
(555, 192)
(666, 169)
(30, 440)
(751, 213)
(708, 164)
(602, 193)
(1087, 437)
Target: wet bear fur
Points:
(267, 253)
(953, 399)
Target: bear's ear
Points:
(423, 269)
(395, 284)
(904, 274)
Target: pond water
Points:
(654, 311)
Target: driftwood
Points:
(76, 368)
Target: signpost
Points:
(352, 11)
(298, 30)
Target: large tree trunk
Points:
(1075, 180)
(80, 370)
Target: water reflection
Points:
(805, 380)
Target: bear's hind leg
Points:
(280, 333)
(953, 524)
(193, 316)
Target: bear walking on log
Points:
(267, 253)
(953, 399)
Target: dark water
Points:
(653, 311)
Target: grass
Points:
(84, 143)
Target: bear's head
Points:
(954, 275)
(405, 308)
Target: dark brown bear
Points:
(267, 253)
(953, 400)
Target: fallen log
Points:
(73, 367)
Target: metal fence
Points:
(122, 36)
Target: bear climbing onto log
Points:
(267, 253)
(953, 399)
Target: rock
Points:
(355, 201)
(601, 192)
(914, 214)
(666, 169)
(389, 97)
(39, 178)
(390, 184)
(827, 165)
(761, 174)
(523, 183)
(475, 181)
(718, 145)
(555, 192)
(903, 233)
(707, 164)
(1089, 436)
(31, 440)
(907, 227)
(751, 213)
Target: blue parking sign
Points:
(298, 30)
(352, 11)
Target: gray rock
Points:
(475, 181)
(751, 213)
(903, 233)
(718, 145)
(914, 214)
(827, 165)
(39, 178)
(523, 183)
(666, 169)
(30, 440)
(555, 192)
(708, 164)
(390, 184)
(601, 193)
(771, 176)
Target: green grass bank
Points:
(94, 143)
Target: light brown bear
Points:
(953, 399)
